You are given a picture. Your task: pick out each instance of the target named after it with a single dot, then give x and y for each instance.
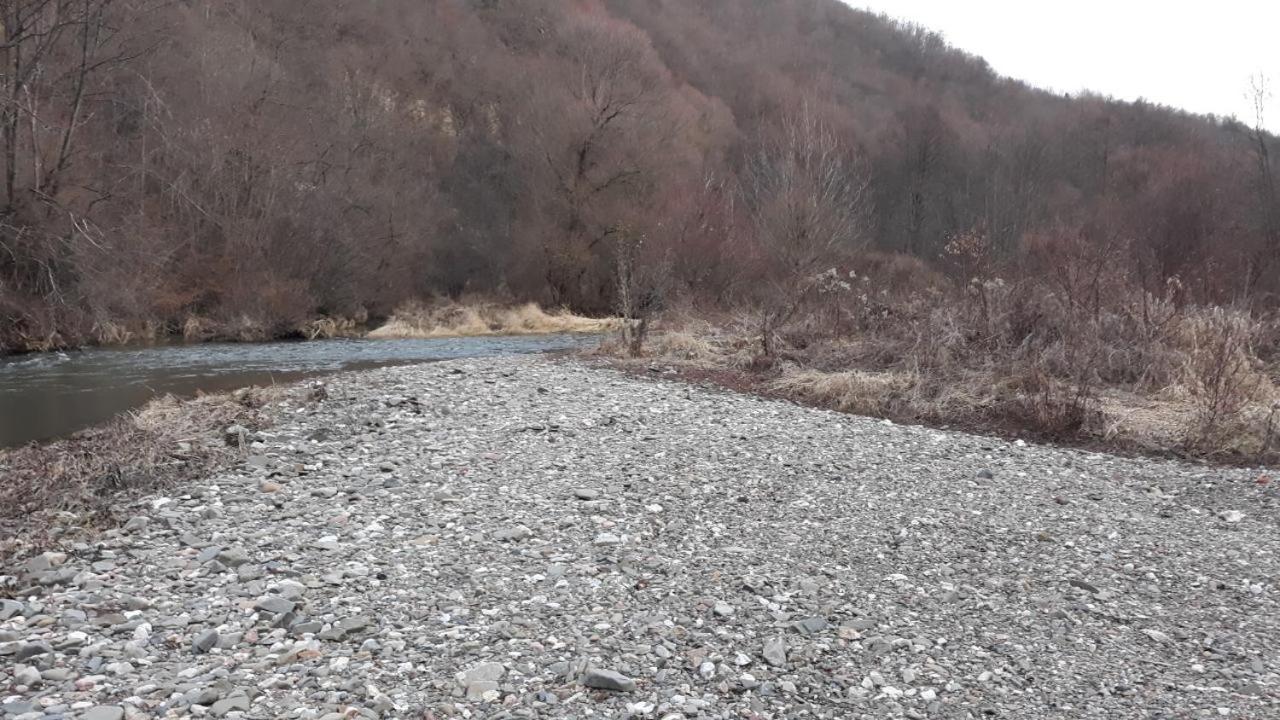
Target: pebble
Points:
(775, 652)
(608, 680)
(205, 641)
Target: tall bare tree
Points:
(808, 198)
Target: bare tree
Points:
(1264, 259)
(808, 201)
(598, 139)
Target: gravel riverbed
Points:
(531, 537)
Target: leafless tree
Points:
(808, 198)
(1264, 259)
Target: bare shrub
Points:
(1221, 373)
(643, 284)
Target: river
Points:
(51, 395)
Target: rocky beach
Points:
(539, 538)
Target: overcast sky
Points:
(1189, 54)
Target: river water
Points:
(50, 395)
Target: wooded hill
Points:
(240, 168)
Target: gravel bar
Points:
(533, 537)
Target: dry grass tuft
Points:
(450, 319)
(852, 391)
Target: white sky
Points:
(1189, 54)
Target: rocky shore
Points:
(529, 537)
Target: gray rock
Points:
(103, 712)
(608, 680)
(10, 608)
(27, 675)
(775, 652)
(586, 494)
(229, 704)
(477, 689)
(17, 707)
(346, 627)
(811, 625)
(27, 651)
(490, 671)
(513, 534)
(275, 604)
(233, 557)
(205, 641)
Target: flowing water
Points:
(50, 395)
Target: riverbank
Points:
(538, 538)
(57, 492)
(1206, 388)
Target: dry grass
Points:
(75, 480)
(449, 319)
(330, 327)
(1132, 373)
(853, 391)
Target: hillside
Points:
(238, 169)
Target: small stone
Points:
(30, 650)
(104, 712)
(775, 652)
(586, 494)
(10, 608)
(136, 523)
(608, 680)
(229, 704)
(723, 609)
(275, 604)
(812, 625)
(604, 539)
(27, 675)
(486, 690)
(1157, 636)
(1085, 586)
(1231, 516)
(233, 557)
(45, 561)
(985, 474)
(205, 641)
(513, 534)
(491, 671)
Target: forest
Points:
(239, 169)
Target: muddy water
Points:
(50, 395)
